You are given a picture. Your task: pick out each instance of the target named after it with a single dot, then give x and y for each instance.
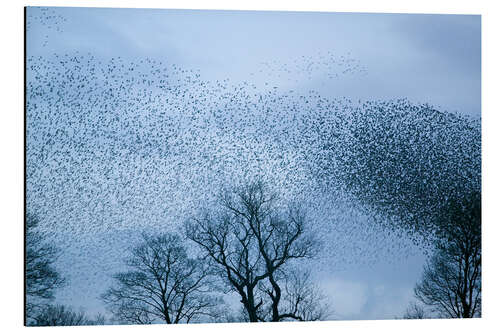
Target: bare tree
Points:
(451, 282)
(41, 277)
(302, 299)
(163, 284)
(127, 311)
(60, 315)
(415, 311)
(251, 240)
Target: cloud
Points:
(387, 302)
(348, 298)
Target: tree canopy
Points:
(252, 241)
(163, 283)
(41, 277)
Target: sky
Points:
(428, 58)
(432, 59)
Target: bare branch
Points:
(250, 237)
(163, 284)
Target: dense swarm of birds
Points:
(115, 147)
(405, 162)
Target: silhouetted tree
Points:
(251, 240)
(60, 315)
(163, 284)
(40, 275)
(451, 282)
(415, 311)
(302, 299)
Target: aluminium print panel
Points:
(202, 166)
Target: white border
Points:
(12, 136)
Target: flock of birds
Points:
(325, 66)
(47, 18)
(115, 147)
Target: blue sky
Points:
(431, 59)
